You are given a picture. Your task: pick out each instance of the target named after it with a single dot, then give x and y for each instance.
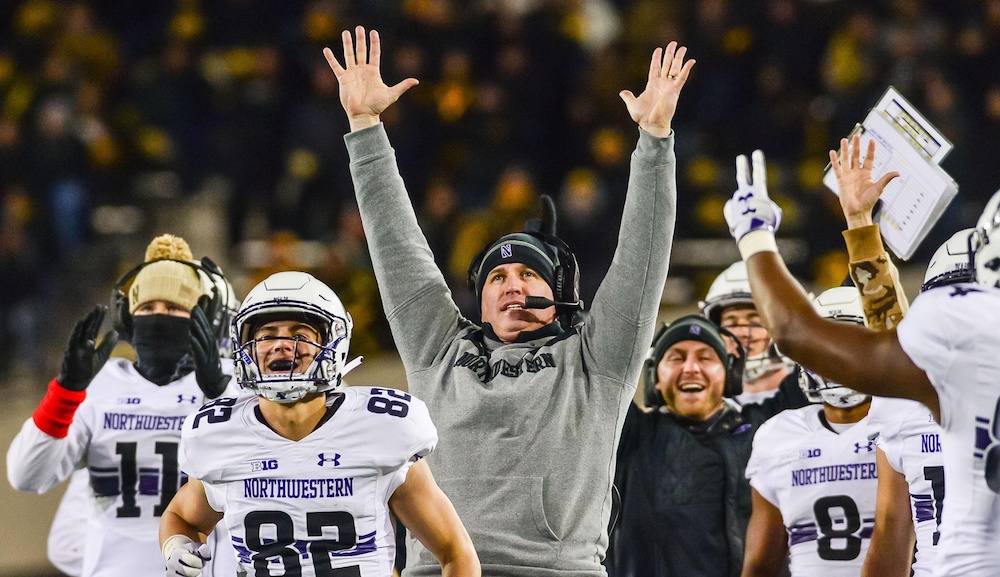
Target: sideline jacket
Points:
(685, 501)
(528, 430)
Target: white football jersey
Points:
(318, 506)
(823, 483)
(69, 529)
(126, 433)
(952, 334)
(910, 438)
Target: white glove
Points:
(185, 557)
(750, 208)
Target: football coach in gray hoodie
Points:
(529, 403)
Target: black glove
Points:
(207, 366)
(82, 359)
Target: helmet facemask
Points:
(984, 241)
(298, 298)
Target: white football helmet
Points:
(985, 241)
(731, 288)
(293, 296)
(842, 304)
(951, 262)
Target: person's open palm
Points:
(654, 108)
(858, 193)
(363, 94)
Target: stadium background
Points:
(218, 120)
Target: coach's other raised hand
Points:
(363, 94)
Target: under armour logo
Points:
(505, 251)
(323, 459)
(745, 199)
(869, 447)
(192, 399)
(960, 291)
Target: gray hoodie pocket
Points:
(505, 516)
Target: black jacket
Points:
(685, 502)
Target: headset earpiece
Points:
(734, 366)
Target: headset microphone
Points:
(544, 303)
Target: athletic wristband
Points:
(757, 241)
(55, 413)
(174, 542)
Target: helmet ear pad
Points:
(732, 363)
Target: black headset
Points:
(217, 310)
(566, 280)
(733, 363)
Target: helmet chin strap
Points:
(350, 366)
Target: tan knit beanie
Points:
(166, 280)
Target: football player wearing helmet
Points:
(729, 305)
(800, 457)
(119, 421)
(530, 396)
(325, 469)
(943, 354)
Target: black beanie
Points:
(521, 248)
(691, 328)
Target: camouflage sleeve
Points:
(876, 277)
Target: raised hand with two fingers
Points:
(751, 209)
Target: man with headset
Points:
(121, 421)
(530, 404)
(685, 503)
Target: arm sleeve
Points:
(623, 314)
(934, 336)
(626, 444)
(37, 461)
(418, 304)
(759, 464)
(875, 275)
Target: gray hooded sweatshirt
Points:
(528, 430)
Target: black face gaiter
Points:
(162, 347)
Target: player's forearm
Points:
(876, 277)
(890, 551)
(171, 523)
(757, 569)
(461, 561)
(781, 301)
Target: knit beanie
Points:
(691, 328)
(520, 248)
(164, 279)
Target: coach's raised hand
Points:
(654, 108)
(363, 94)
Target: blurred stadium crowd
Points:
(115, 113)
